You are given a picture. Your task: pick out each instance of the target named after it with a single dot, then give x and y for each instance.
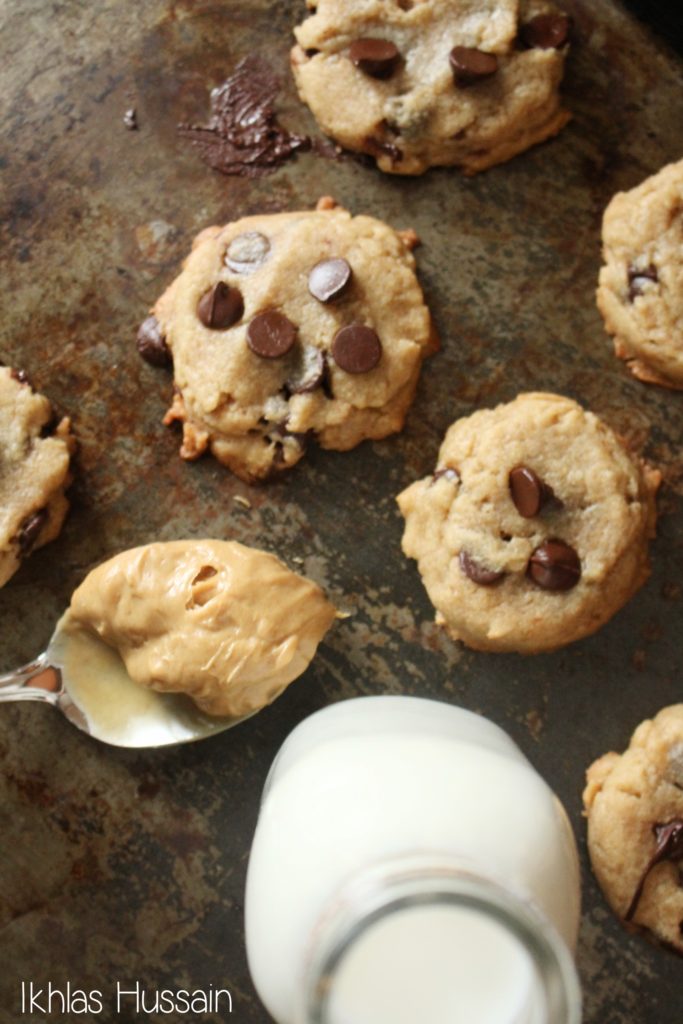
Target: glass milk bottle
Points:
(409, 866)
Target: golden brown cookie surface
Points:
(533, 530)
(287, 326)
(433, 82)
(634, 805)
(34, 471)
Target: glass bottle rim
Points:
(402, 885)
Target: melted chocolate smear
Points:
(243, 135)
(669, 839)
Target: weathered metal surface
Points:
(118, 866)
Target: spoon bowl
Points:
(87, 681)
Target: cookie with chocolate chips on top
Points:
(533, 530)
(634, 805)
(290, 326)
(35, 454)
(425, 83)
(640, 289)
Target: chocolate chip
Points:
(151, 343)
(247, 252)
(447, 473)
(378, 147)
(546, 31)
(221, 306)
(20, 376)
(375, 57)
(554, 565)
(328, 279)
(477, 572)
(30, 530)
(638, 279)
(308, 372)
(669, 839)
(270, 334)
(356, 348)
(469, 65)
(528, 492)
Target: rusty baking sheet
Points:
(124, 866)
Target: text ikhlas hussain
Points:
(129, 998)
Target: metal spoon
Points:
(87, 681)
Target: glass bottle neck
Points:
(408, 942)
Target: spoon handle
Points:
(36, 681)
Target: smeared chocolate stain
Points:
(669, 839)
(243, 135)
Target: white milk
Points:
(409, 865)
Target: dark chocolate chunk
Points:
(528, 492)
(554, 565)
(247, 252)
(446, 473)
(308, 372)
(20, 376)
(30, 530)
(356, 348)
(379, 147)
(469, 65)
(151, 343)
(221, 306)
(328, 279)
(375, 57)
(270, 334)
(638, 279)
(477, 572)
(669, 840)
(546, 31)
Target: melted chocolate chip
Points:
(477, 572)
(308, 372)
(375, 57)
(270, 334)
(554, 565)
(328, 279)
(469, 65)
(247, 252)
(528, 492)
(546, 31)
(30, 530)
(243, 135)
(669, 840)
(638, 279)
(151, 343)
(221, 306)
(356, 348)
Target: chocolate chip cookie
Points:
(424, 83)
(34, 471)
(533, 529)
(634, 805)
(288, 326)
(640, 289)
